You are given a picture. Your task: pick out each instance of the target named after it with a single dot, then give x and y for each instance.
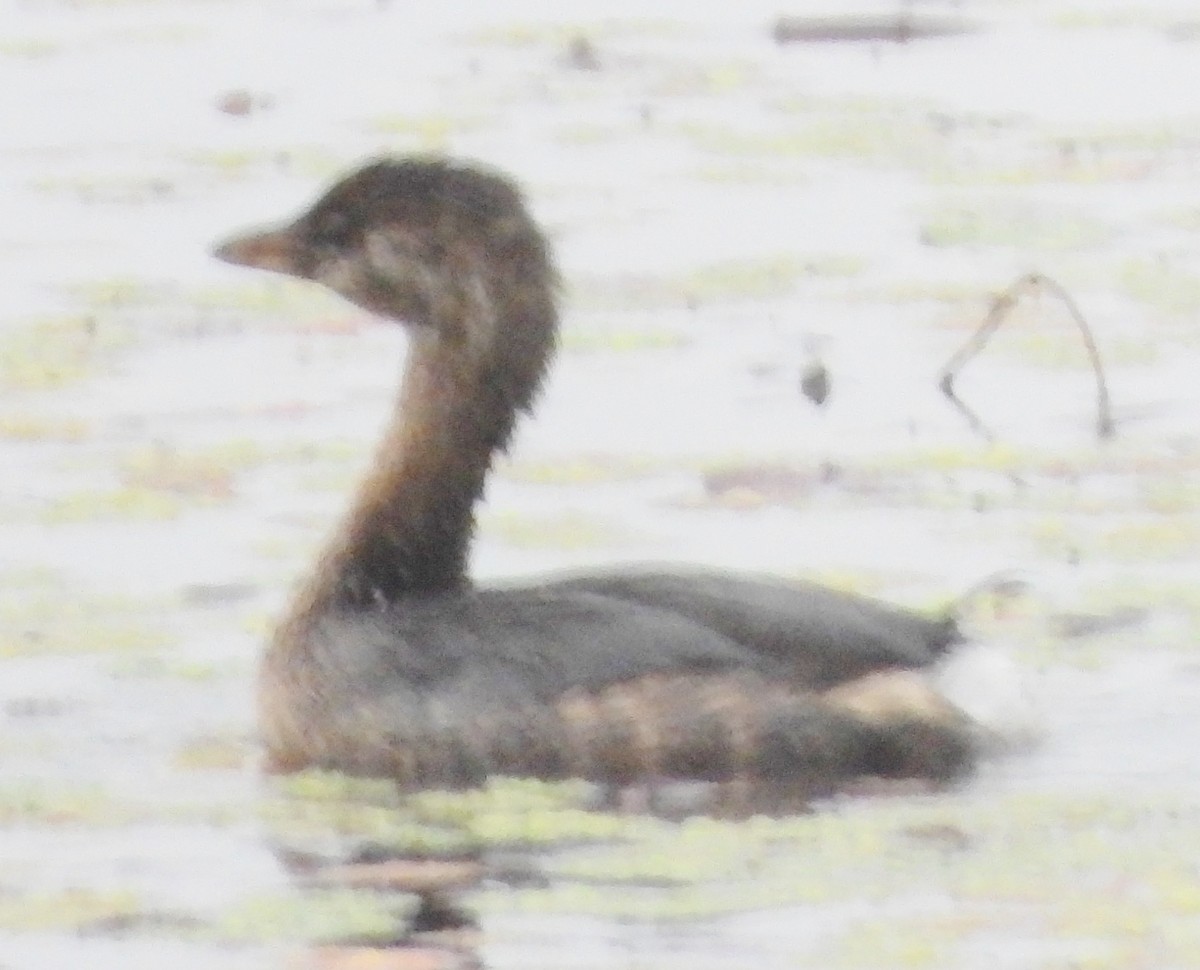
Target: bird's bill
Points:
(276, 249)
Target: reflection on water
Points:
(1064, 852)
(533, 875)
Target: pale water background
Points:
(176, 437)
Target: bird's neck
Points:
(409, 528)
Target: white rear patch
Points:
(989, 686)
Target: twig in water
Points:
(997, 313)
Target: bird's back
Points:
(605, 678)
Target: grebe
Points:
(391, 662)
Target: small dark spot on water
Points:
(942, 835)
(438, 913)
(581, 55)
(38, 707)
(1074, 626)
(127, 924)
(899, 28)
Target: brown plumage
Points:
(390, 662)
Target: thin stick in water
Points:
(997, 313)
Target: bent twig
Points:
(997, 313)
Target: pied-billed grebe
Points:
(392, 663)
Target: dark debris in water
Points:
(1076, 626)
(153, 922)
(898, 28)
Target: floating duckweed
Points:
(1186, 218)
(730, 281)
(1134, 594)
(140, 665)
(621, 340)
(1012, 223)
(507, 812)
(317, 805)
(212, 754)
(333, 786)
(108, 189)
(70, 909)
(318, 916)
(28, 48)
(1158, 537)
(760, 279)
(55, 351)
(1160, 285)
(297, 822)
(547, 827)
(710, 80)
(117, 292)
(30, 427)
(122, 503)
(570, 530)
(42, 621)
(999, 457)
(870, 136)
(500, 794)
(29, 803)
(1170, 496)
(583, 469)
(423, 132)
(206, 474)
(286, 302)
(518, 34)
(1177, 892)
